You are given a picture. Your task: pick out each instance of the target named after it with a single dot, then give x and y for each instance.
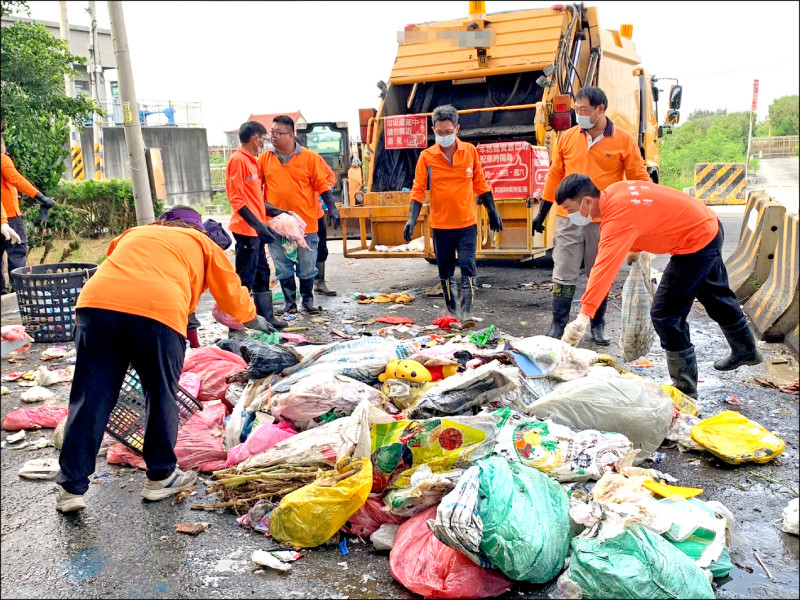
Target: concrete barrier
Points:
(774, 308)
(792, 340)
(750, 264)
(720, 183)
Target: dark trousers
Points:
(251, 263)
(107, 342)
(447, 243)
(322, 248)
(700, 275)
(16, 252)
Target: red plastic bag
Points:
(225, 319)
(120, 454)
(46, 416)
(427, 567)
(213, 365)
(12, 333)
(395, 320)
(369, 518)
(197, 447)
(445, 322)
(263, 438)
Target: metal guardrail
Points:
(218, 176)
(156, 113)
(775, 147)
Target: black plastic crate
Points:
(127, 420)
(46, 295)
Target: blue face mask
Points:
(445, 141)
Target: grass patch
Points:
(89, 251)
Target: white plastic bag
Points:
(554, 357)
(790, 514)
(637, 298)
(383, 538)
(426, 489)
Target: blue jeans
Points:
(306, 265)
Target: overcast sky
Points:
(324, 58)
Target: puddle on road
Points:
(781, 372)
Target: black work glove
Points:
(414, 209)
(261, 324)
(539, 219)
(495, 222)
(264, 233)
(44, 214)
(45, 201)
(333, 212)
(274, 211)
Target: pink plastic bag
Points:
(198, 447)
(46, 416)
(120, 454)
(290, 226)
(370, 517)
(427, 567)
(263, 438)
(225, 319)
(12, 333)
(212, 365)
(190, 382)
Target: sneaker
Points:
(158, 490)
(66, 502)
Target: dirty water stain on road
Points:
(86, 563)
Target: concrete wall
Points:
(184, 152)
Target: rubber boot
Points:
(307, 294)
(562, 304)
(289, 288)
(467, 293)
(449, 292)
(599, 336)
(682, 366)
(743, 347)
(263, 302)
(319, 281)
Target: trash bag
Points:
(13, 333)
(526, 526)
(212, 365)
(319, 394)
(262, 359)
(696, 544)
(190, 382)
(313, 514)
(637, 408)
(369, 518)
(488, 385)
(199, 444)
(46, 416)
(458, 522)
(555, 358)
(290, 226)
(736, 439)
(637, 332)
(425, 489)
(58, 434)
(120, 454)
(383, 538)
(427, 567)
(261, 439)
(790, 517)
(637, 563)
(682, 402)
(405, 394)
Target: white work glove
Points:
(9, 234)
(573, 332)
(632, 257)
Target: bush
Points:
(221, 199)
(62, 224)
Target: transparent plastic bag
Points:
(637, 297)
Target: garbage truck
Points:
(513, 77)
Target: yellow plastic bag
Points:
(666, 491)
(681, 401)
(313, 514)
(736, 439)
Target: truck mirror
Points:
(655, 93)
(673, 116)
(675, 93)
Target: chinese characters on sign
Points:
(514, 169)
(405, 131)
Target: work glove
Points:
(573, 332)
(44, 214)
(632, 257)
(9, 234)
(495, 222)
(261, 324)
(414, 209)
(333, 213)
(266, 234)
(45, 201)
(408, 230)
(541, 216)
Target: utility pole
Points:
(96, 77)
(130, 116)
(69, 85)
(750, 132)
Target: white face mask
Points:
(585, 121)
(445, 141)
(578, 219)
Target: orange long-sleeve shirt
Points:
(453, 186)
(10, 182)
(160, 272)
(243, 185)
(295, 186)
(642, 216)
(3, 215)
(613, 158)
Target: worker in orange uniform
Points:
(607, 154)
(322, 232)
(250, 214)
(638, 216)
(133, 311)
(11, 183)
(452, 170)
(293, 180)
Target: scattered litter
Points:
(46, 416)
(736, 439)
(445, 322)
(182, 495)
(13, 376)
(343, 547)
(15, 333)
(486, 285)
(192, 528)
(434, 291)
(4, 390)
(395, 320)
(164, 538)
(343, 565)
(286, 555)
(731, 399)
(788, 388)
(54, 352)
(384, 536)
(366, 577)
(40, 468)
(268, 559)
(16, 437)
(37, 394)
(790, 517)
(644, 363)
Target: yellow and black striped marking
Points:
(750, 264)
(77, 163)
(720, 183)
(773, 309)
(99, 162)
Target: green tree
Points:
(784, 116)
(34, 106)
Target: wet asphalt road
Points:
(121, 547)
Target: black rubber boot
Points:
(682, 366)
(263, 302)
(289, 288)
(562, 303)
(743, 347)
(449, 293)
(599, 336)
(319, 281)
(307, 294)
(467, 292)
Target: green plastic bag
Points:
(525, 513)
(638, 563)
(695, 544)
